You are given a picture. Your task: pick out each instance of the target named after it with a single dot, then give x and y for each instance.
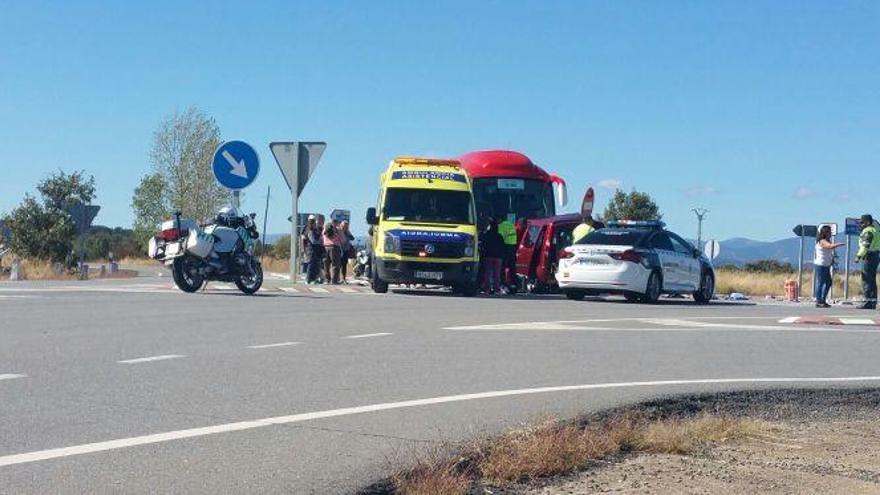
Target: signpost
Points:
(235, 166)
(297, 161)
(340, 216)
(851, 228)
(803, 231)
(712, 249)
(82, 216)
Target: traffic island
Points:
(737, 442)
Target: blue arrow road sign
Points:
(236, 165)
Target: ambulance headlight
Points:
(469, 247)
(392, 244)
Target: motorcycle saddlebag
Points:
(199, 244)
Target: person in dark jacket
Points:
(312, 250)
(491, 254)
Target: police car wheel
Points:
(707, 288)
(652, 289)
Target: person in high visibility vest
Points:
(869, 255)
(584, 229)
(508, 233)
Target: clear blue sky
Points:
(767, 113)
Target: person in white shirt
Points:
(822, 266)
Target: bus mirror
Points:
(372, 219)
(561, 190)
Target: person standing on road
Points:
(347, 242)
(869, 255)
(491, 252)
(584, 229)
(332, 247)
(507, 230)
(822, 266)
(312, 247)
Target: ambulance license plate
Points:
(430, 275)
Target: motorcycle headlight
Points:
(392, 244)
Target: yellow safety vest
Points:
(869, 240)
(581, 231)
(508, 232)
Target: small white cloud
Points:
(804, 193)
(610, 184)
(843, 198)
(700, 191)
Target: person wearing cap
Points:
(869, 255)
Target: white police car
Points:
(640, 260)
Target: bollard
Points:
(103, 271)
(17, 271)
(791, 290)
(58, 268)
(83, 271)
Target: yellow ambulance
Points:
(424, 227)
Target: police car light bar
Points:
(437, 162)
(642, 224)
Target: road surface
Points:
(130, 386)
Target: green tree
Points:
(151, 205)
(281, 248)
(634, 205)
(44, 230)
(181, 178)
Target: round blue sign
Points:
(236, 165)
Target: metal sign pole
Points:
(265, 219)
(831, 271)
(294, 236)
(801, 268)
(846, 272)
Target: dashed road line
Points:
(368, 335)
(121, 443)
(267, 346)
(150, 358)
(320, 290)
(10, 376)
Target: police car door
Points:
(669, 260)
(688, 265)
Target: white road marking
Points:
(267, 346)
(288, 289)
(10, 376)
(368, 335)
(43, 455)
(319, 289)
(662, 325)
(857, 321)
(150, 358)
(790, 319)
(347, 289)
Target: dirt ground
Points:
(825, 456)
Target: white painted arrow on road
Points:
(238, 167)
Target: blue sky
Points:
(766, 113)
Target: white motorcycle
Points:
(221, 251)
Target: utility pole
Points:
(701, 213)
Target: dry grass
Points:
(42, 270)
(271, 264)
(773, 284)
(553, 448)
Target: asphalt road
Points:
(125, 386)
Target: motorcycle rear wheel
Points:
(185, 274)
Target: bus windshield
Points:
(428, 205)
(513, 199)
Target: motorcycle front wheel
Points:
(186, 275)
(250, 283)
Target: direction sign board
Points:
(712, 249)
(235, 165)
(587, 203)
(805, 230)
(340, 216)
(297, 161)
(852, 226)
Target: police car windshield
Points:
(615, 237)
(428, 205)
